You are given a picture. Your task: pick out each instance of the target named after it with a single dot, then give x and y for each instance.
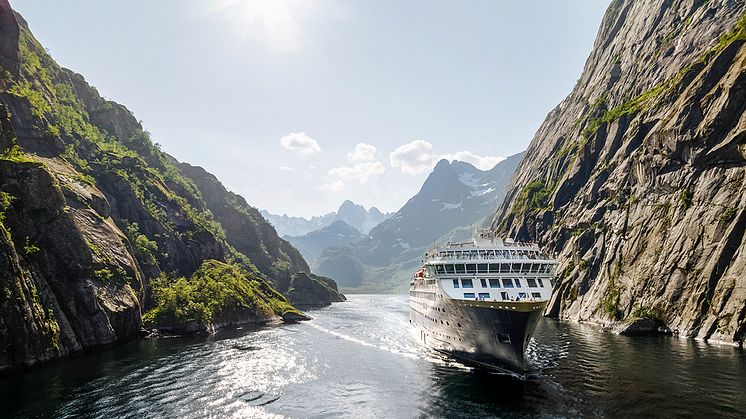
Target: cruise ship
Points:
(479, 301)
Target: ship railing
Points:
(520, 244)
(480, 257)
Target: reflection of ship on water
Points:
(480, 300)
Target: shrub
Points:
(30, 248)
(533, 197)
(647, 312)
(5, 200)
(728, 215)
(610, 302)
(685, 198)
(145, 249)
(103, 274)
(214, 287)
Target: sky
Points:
(300, 104)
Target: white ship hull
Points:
(480, 301)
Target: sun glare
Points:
(269, 21)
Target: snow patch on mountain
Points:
(482, 192)
(469, 179)
(451, 205)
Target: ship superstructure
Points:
(480, 300)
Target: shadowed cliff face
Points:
(637, 178)
(91, 211)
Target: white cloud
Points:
(480, 162)
(300, 142)
(286, 168)
(361, 172)
(363, 153)
(413, 158)
(335, 186)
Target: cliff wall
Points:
(637, 179)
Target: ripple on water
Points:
(362, 359)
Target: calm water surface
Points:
(362, 359)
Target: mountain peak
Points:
(348, 205)
(442, 164)
(461, 166)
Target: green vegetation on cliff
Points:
(212, 292)
(60, 112)
(533, 197)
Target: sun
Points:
(268, 21)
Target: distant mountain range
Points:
(336, 234)
(352, 214)
(454, 199)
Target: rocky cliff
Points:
(637, 179)
(91, 211)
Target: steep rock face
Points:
(8, 37)
(80, 290)
(246, 230)
(637, 178)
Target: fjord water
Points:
(362, 359)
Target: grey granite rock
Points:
(636, 180)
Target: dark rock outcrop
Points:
(309, 290)
(639, 326)
(636, 180)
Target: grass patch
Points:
(103, 274)
(647, 313)
(533, 198)
(5, 200)
(16, 155)
(30, 248)
(685, 198)
(610, 301)
(145, 249)
(728, 215)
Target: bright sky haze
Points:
(300, 104)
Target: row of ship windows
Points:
(483, 268)
(491, 254)
(504, 295)
(495, 282)
(440, 334)
(434, 320)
